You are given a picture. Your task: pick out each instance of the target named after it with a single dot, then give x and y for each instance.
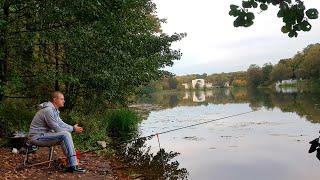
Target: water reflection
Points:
(158, 165)
(287, 89)
(198, 96)
(265, 144)
(288, 100)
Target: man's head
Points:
(57, 99)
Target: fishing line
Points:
(192, 125)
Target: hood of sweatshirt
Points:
(45, 104)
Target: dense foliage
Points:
(99, 50)
(294, 14)
(14, 116)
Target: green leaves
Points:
(293, 14)
(234, 10)
(305, 26)
(263, 7)
(244, 18)
(285, 29)
(294, 18)
(91, 48)
(3, 24)
(312, 13)
(249, 4)
(293, 34)
(246, 4)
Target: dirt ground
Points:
(97, 167)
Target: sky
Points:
(213, 45)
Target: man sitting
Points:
(47, 129)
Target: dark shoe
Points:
(75, 169)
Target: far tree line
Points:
(303, 65)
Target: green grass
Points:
(287, 85)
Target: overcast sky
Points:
(213, 45)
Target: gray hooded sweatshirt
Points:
(47, 120)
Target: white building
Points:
(288, 81)
(198, 82)
(186, 86)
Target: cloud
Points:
(214, 45)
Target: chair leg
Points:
(26, 157)
(50, 155)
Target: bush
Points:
(117, 123)
(14, 117)
(93, 129)
(121, 121)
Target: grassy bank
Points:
(309, 86)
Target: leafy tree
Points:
(266, 70)
(239, 83)
(219, 79)
(280, 72)
(310, 66)
(173, 83)
(100, 50)
(201, 76)
(293, 13)
(254, 75)
(297, 61)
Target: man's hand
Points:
(77, 128)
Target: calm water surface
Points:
(269, 143)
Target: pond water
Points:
(272, 142)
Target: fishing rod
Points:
(157, 134)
